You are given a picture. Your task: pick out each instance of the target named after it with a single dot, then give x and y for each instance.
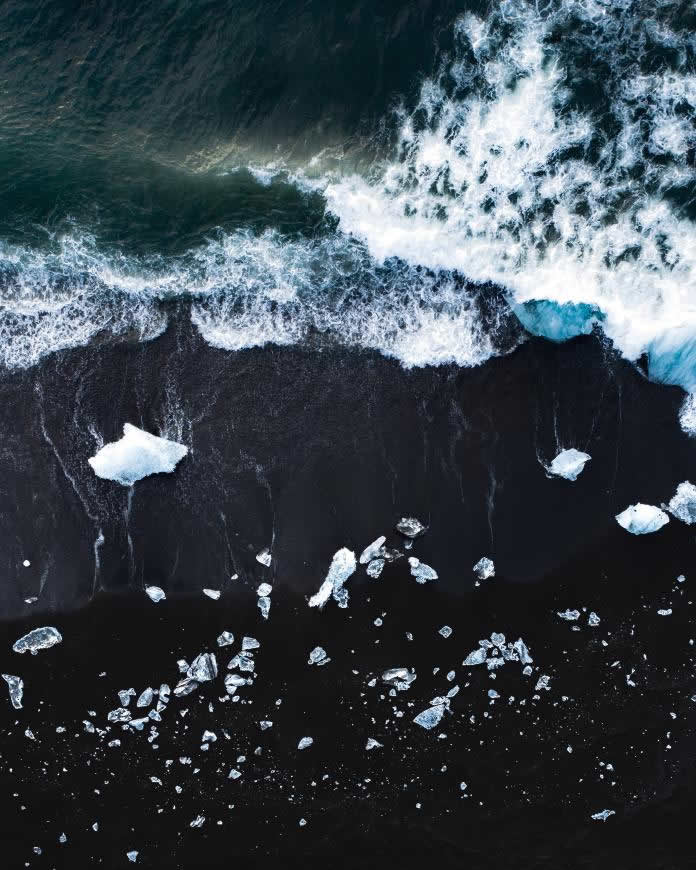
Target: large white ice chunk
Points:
(343, 565)
(641, 519)
(682, 505)
(568, 464)
(137, 455)
(39, 638)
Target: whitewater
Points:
(504, 204)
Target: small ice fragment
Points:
(233, 682)
(305, 742)
(136, 455)
(125, 695)
(642, 519)
(543, 683)
(145, 699)
(318, 656)
(682, 505)
(203, 668)
(477, 657)
(250, 643)
(493, 694)
(26, 563)
(431, 717)
(31, 600)
(302, 822)
(463, 786)
(410, 527)
(527, 671)
(39, 638)
(484, 568)
(212, 593)
(155, 594)
(264, 557)
(421, 571)
(373, 744)
(445, 631)
(343, 565)
(603, 815)
(569, 464)
(132, 856)
(197, 822)
(16, 687)
(225, 639)
(209, 737)
(264, 590)
(521, 649)
(399, 678)
(120, 714)
(667, 611)
(265, 724)
(593, 619)
(263, 602)
(234, 774)
(374, 568)
(372, 551)
(63, 838)
(570, 615)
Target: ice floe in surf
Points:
(154, 593)
(682, 505)
(642, 519)
(16, 689)
(39, 638)
(484, 568)
(568, 464)
(343, 566)
(212, 593)
(135, 456)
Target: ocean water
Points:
(364, 260)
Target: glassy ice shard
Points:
(603, 815)
(145, 698)
(155, 594)
(410, 527)
(305, 742)
(373, 744)
(264, 590)
(263, 602)
(484, 568)
(372, 551)
(264, 557)
(39, 638)
(225, 639)
(203, 668)
(318, 656)
(16, 688)
(569, 615)
(421, 571)
(476, 657)
(431, 717)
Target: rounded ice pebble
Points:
(136, 455)
(642, 519)
(26, 563)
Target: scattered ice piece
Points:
(399, 678)
(203, 668)
(264, 557)
(145, 699)
(410, 527)
(569, 464)
(263, 602)
(39, 638)
(374, 568)
(593, 619)
(132, 856)
(445, 631)
(264, 590)
(233, 682)
(305, 742)
(665, 611)
(198, 822)
(493, 694)
(318, 656)
(343, 566)
(527, 671)
(265, 724)
(30, 734)
(225, 639)
(234, 774)
(250, 643)
(431, 717)
(682, 505)
(477, 657)
(521, 649)
(603, 815)
(155, 594)
(26, 563)
(543, 683)
(209, 737)
(642, 519)
(373, 744)
(32, 600)
(372, 551)
(63, 838)
(183, 666)
(421, 571)
(484, 568)
(302, 822)
(16, 687)
(569, 615)
(136, 455)
(463, 786)
(212, 593)
(120, 714)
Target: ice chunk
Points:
(492, 694)
(145, 699)
(125, 695)
(155, 594)
(373, 744)
(667, 611)
(372, 551)
(569, 615)
(212, 593)
(593, 619)
(305, 742)
(343, 565)
(642, 519)
(132, 856)
(431, 717)
(138, 454)
(209, 737)
(120, 714)
(410, 527)
(250, 643)
(543, 683)
(484, 568)
(521, 649)
(234, 774)
(477, 657)
(16, 687)
(264, 590)
(374, 568)
(233, 682)
(399, 678)
(682, 505)
(445, 631)
(203, 668)
(39, 638)
(603, 815)
(198, 822)
(421, 571)
(264, 557)
(318, 656)
(569, 464)
(225, 639)
(265, 724)
(244, 661)
(263, 602)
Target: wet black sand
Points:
(309, 451)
